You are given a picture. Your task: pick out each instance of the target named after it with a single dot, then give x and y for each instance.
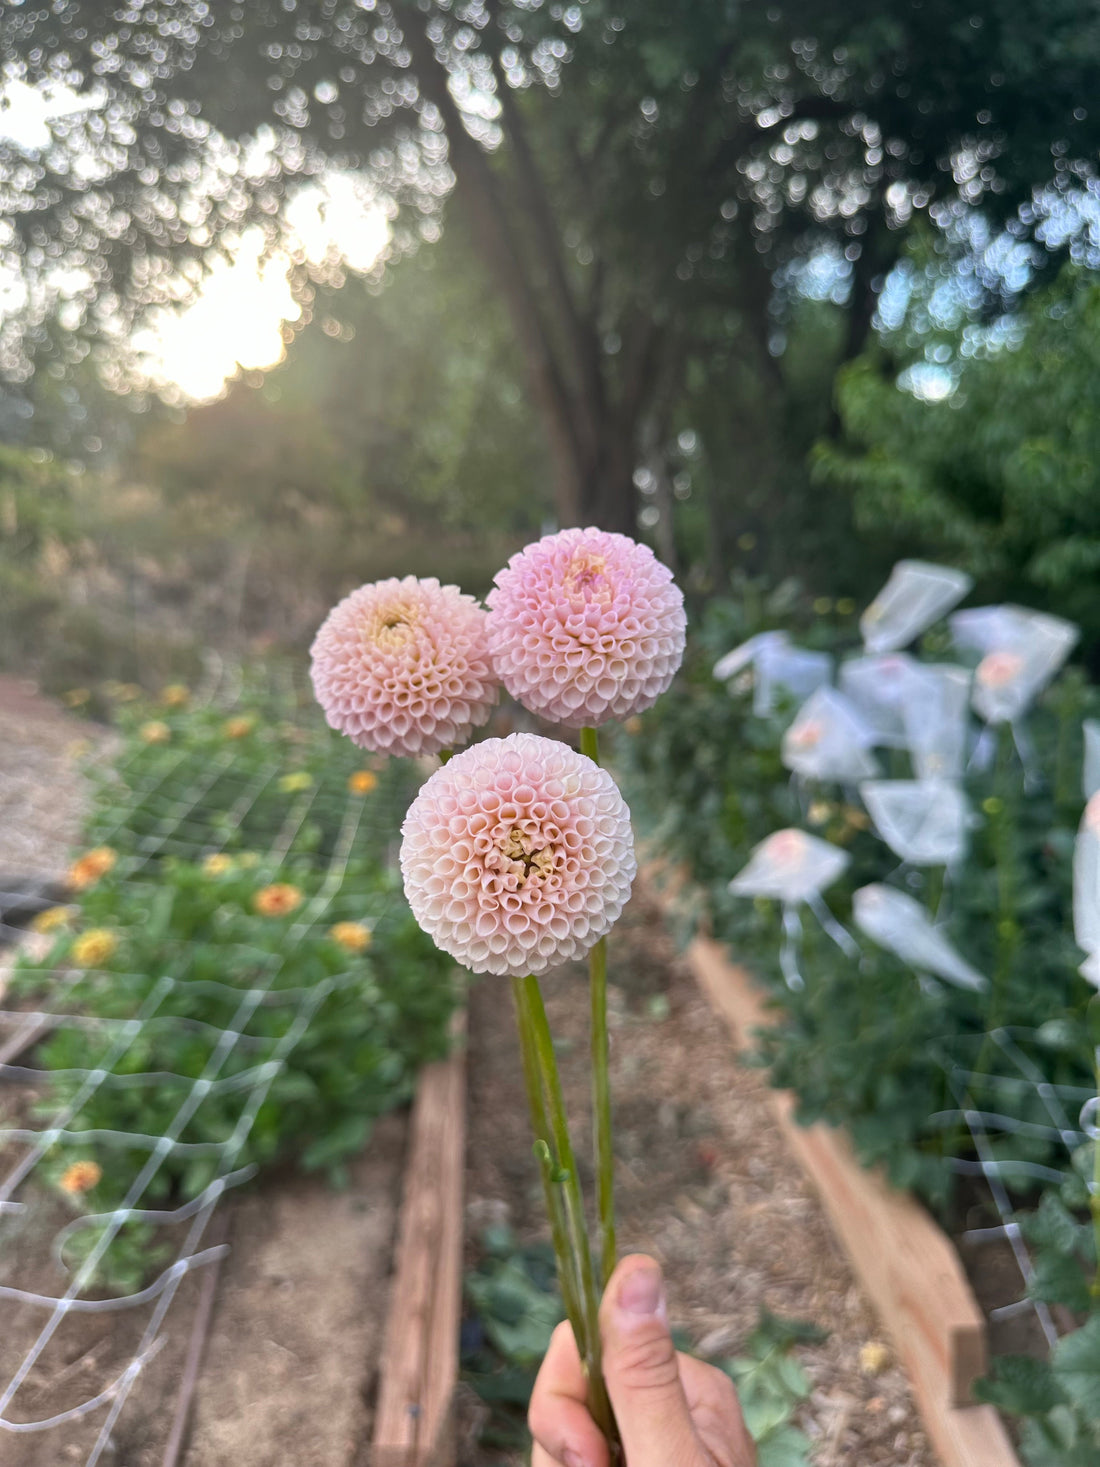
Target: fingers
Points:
(642, 1371)
(564, 1432)
(716, 1413)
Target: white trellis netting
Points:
(249, 1032)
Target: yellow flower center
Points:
(586, 579)
(525, 860)
(393, 626)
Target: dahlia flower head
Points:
(517, 855)
(586, 625)
(403, 667)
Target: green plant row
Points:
(251, 917)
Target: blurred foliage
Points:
(1001, 476)
(204, 812)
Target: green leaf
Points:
(1022, 1385)
(1076, 1364)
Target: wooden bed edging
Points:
(419, 1365)
(906, 1264)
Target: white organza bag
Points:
(777, 666)
(744, 655)
(1022, 650)
(924, 821)
(783, 668)
(1086, 890)
(878, 688)
(829, 740)
(795, 868)
(790, 866)
(916, 595)
(937, 720)
(902, 926)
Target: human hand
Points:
(672, 1410)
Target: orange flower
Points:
(175, 695)
(94, 947)
(277, 900)
(154, 732)
(362, 782)
(80, 1177)
(87, 869)
(239, 728)
(354, 936)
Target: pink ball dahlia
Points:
(403, 667)
(517, 855)
(585, 626)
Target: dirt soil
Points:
(704, 1184)
(41, 793)
(292, 1350)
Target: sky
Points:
(236, 321)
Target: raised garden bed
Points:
(905, 1262)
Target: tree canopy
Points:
(639, 183)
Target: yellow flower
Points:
(845, 606)
(80, 1177)
(823, 605)
(122, 692)
(277, 900)
(874, 1357)
(175, 695)
(819, 812)
(87, 869)
(355, 936)
(362, 782)
(76, 697)
(154, 732)
(239, 728)
(248, 860)
(857, 819)
(217, 864)
(993, 805)
(94, 947)
(52, 919)
(300, 780)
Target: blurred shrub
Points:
(1002, 476)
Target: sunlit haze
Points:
(236, 322)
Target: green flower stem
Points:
(529, 996)
(568, 1269)
(601, 1081)
(1000, 816)
(936, 877)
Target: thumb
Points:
(641, 1369)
